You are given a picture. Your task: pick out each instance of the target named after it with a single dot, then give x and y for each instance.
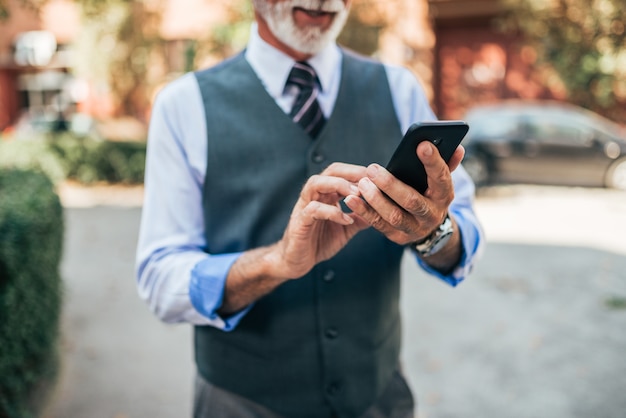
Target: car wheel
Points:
(616, 176)
(477, 168)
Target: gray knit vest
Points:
(327, 342)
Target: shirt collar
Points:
(273, 66)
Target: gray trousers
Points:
(396, 401)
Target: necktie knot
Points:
(306, 110)
(302, 75)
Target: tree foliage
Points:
(583, 42)
(4, 6)
(118, 41)
(226, 38)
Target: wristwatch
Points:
(435, 241)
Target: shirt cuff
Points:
(471, 249)
(206, 289)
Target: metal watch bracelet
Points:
(435, 241)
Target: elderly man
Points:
(294, 301)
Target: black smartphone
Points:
(404, 164)
(445, 135)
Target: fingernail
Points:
(365, 183)
(354, 189)
(372, 170)
(348, 219)
(428, 150)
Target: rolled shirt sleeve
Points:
(206, 290)
(469, 227)
(171, 262)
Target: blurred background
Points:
(538, 331)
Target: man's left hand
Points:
(400, 212)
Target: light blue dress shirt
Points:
(181, 282)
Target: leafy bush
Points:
(31, 155)
(83, 159)
(31, 235)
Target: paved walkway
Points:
(538, 331)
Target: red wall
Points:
(9, 100)
(475, 64)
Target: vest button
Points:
(331, 333)
(333, 389)
(318, 158)
(329, 276)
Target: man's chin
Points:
(307, 39)
(310, 45)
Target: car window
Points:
(558, 130)
(497, 127)
(551, 124)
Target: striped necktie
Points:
(306, 110)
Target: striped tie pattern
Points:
(306, 111)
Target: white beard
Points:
(309, 40)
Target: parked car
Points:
(544, 143)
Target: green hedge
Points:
(31, 235)
(83, 159)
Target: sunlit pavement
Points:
(537, 331)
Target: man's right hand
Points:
(317, 230)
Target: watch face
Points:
(440, 242)
(437, 240)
